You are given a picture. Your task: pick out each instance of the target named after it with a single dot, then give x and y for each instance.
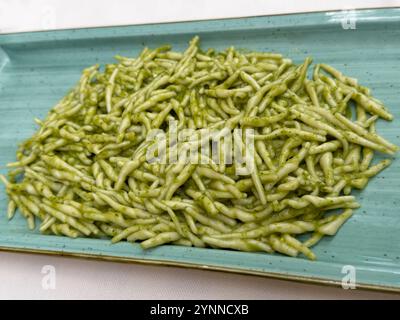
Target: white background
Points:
(20, 274)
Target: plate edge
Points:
(388, 7)
(171, 263)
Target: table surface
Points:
(24, 276)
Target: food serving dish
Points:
(36, 70)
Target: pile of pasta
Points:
(85, 172)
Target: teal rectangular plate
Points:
(37, 69)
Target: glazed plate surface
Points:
(37, 69)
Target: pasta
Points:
(87, 172)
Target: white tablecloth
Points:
(21, 274)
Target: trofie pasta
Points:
(234, 149)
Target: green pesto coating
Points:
(85, 171)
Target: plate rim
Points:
(102, 26)
(132, 260)
(204, 267)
